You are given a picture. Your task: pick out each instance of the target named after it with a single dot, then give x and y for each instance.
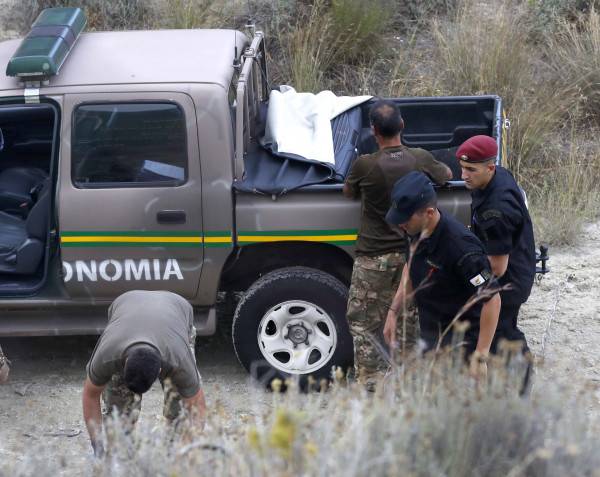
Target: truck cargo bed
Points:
(439, 125)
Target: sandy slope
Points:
(562, 317)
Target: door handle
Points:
(171, 217)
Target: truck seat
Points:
(16, 184)
(22, 241)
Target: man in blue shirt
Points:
(448, 272)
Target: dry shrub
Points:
(573, 53)
(307, 48)
(543, 16)
(101, 14)
(556, 164)
(429, 420)
(534, 119)
(184, 14)
(482, 51)
(564, 183)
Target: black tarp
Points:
(268, 171)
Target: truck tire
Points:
(292, 322)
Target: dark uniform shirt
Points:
(448, 269)
(375, 175)
(501, 221)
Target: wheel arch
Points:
(250, 262)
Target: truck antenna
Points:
(236, 60)
(250, 22)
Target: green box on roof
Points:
(48, 43)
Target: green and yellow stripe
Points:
(145, 239)
(334, 237)
(208, 239)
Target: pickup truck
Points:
(132, 160)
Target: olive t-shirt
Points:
(160, 319)
(375, 175)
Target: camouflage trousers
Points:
(116, 396)
(375, 281)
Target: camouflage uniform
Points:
(117, 395)
(375, 281)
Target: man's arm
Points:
(391, 322)
(487, 324)
(196, 407)
(350, 192)
(487, 327)
(439, 172)
(92, 414)
(499, 264)
(448, 173)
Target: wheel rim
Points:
(297, 337)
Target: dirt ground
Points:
(40, 406)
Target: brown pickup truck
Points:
(134, 160)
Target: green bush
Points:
(361, 26)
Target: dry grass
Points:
(573, 52)
(547, 135)
(183, 14)
(487, 56)
(307, 51)
(429, 420)
(564, 196)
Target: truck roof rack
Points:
(44, 49)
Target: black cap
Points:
(409, 194)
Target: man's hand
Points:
(98, 449)
(478, 367)
(196, 408)
(389, 330)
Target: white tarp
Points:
(299, 123)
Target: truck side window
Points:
(128, 145)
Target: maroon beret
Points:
(478, 149)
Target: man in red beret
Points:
(500, 219)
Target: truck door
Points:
(129, 201)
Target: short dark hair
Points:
(141, 369)
(385, 117)
(430, 203)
